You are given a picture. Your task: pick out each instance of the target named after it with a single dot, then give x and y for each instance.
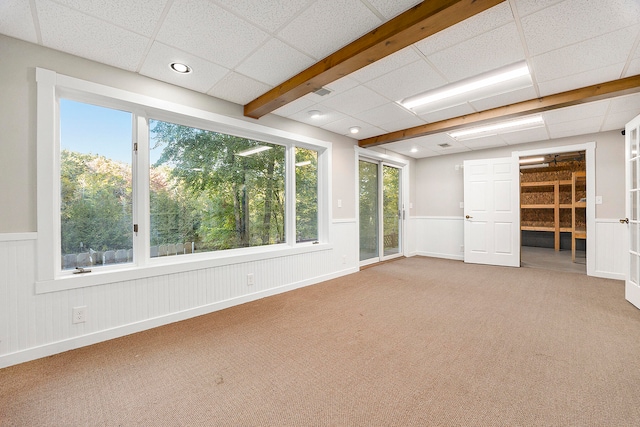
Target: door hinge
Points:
(135, 147)
(135, 228)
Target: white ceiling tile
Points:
(294, 106)
(328, 116)
(389, 63)
(505, 99)
(270, 15)
(595, 53)
(342, 127)
(139, 16)
(525, 7)
(626, 103)
(617, 121)
(355, 100)
(524, 136)
(488, 20)
(485, 142)
(576, 112)
(576, 127)
(405, 147)
(634, 68)
(390, 116)
(579, 80)
(82, 35)
(391, 8)
(486, 52)
(434, 142)
(447, 113)
(573, 21)
(409, 80)
(206, 30)
(203, 76)
(237, 88)
(452, 150)
(328, 25)
(16, 20)
(339, 86)
(264, 64)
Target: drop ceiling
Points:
(240, 49)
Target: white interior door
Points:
(492, 213)
(632, 156)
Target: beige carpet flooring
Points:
(415, 342)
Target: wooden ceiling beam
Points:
(583, 95)
(417, 23)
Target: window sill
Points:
(172, 265)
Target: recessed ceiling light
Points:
(497, 128)
(414, 150)
(354, 129)
(513, 76)
(314, 114)
(179, 67)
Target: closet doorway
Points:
(553, 211)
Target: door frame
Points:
(590, 155)
(403, 165)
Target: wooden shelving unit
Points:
(578, 209)
(546, 208)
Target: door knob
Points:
(469, 217)
(624, 221)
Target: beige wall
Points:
(436, 187)
(440, 185)
(18, 125)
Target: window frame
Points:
(50, 277)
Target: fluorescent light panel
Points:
(253, 150)
(539, 165)
(468, 86)
(531, 160)
(530, 122)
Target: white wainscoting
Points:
(438, 236)
(442, 237)
(611, 250)
(37, 325)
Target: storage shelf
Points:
(537, 184)
(545, 228)
(551, 216)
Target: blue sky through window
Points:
(91, 129)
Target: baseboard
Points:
(120, 331)
(440, 255)
(609, 275)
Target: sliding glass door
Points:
(381, 211)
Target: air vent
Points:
(445, 145)
(322, 91)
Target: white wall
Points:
(35, 325)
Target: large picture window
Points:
(129, 184)
(212, 191)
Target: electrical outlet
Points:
(344, 259)
(79, 314)
(461, 248)
(250, 279)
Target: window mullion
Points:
(290, 195)
(141, 191)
